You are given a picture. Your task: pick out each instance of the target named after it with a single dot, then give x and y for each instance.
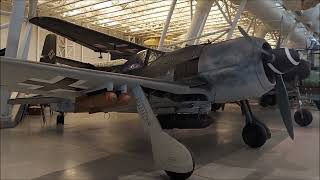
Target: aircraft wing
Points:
(69, 82)
(89, 38)
(35, 100)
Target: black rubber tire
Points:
(60, 119)
(181, 176)
(254, 135)
(306, 120)
(266, 128)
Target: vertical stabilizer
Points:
(49, 50)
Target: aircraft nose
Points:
(285, 59)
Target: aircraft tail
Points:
(49, 50)
(49, 54)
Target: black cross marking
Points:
(62, 84)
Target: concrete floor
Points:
(114, 146)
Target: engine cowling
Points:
(234, 70)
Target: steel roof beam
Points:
(221, 10)
(67, 4)
(143, 21)
(80, 7)
(166, 26)
(5, 13)
(139, 5)
(236, 18)
(179, 30)
(202, 10)
(227, 9)
(136, 14)
(47, 2)
(173, 27)
(208, 34)
(94, 10)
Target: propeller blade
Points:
(280, 34)
(255, 45)
(244, 33)
(283, 102)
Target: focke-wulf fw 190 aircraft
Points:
(174, 89)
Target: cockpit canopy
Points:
(141, 59)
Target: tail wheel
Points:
(306, 120)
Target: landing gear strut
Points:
(303, 117)
(60, 118)
(168, 154)
(254, 133)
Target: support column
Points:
(25, 44)
(201, 28)
(236, 18)
(16, 20)
(203, 8)
(166, 26)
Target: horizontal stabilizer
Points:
(74, 63)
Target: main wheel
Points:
(254, 135)
(265, 127)
(306, 120)
(181, 176)
(60, 119)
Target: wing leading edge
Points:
(70, 82)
